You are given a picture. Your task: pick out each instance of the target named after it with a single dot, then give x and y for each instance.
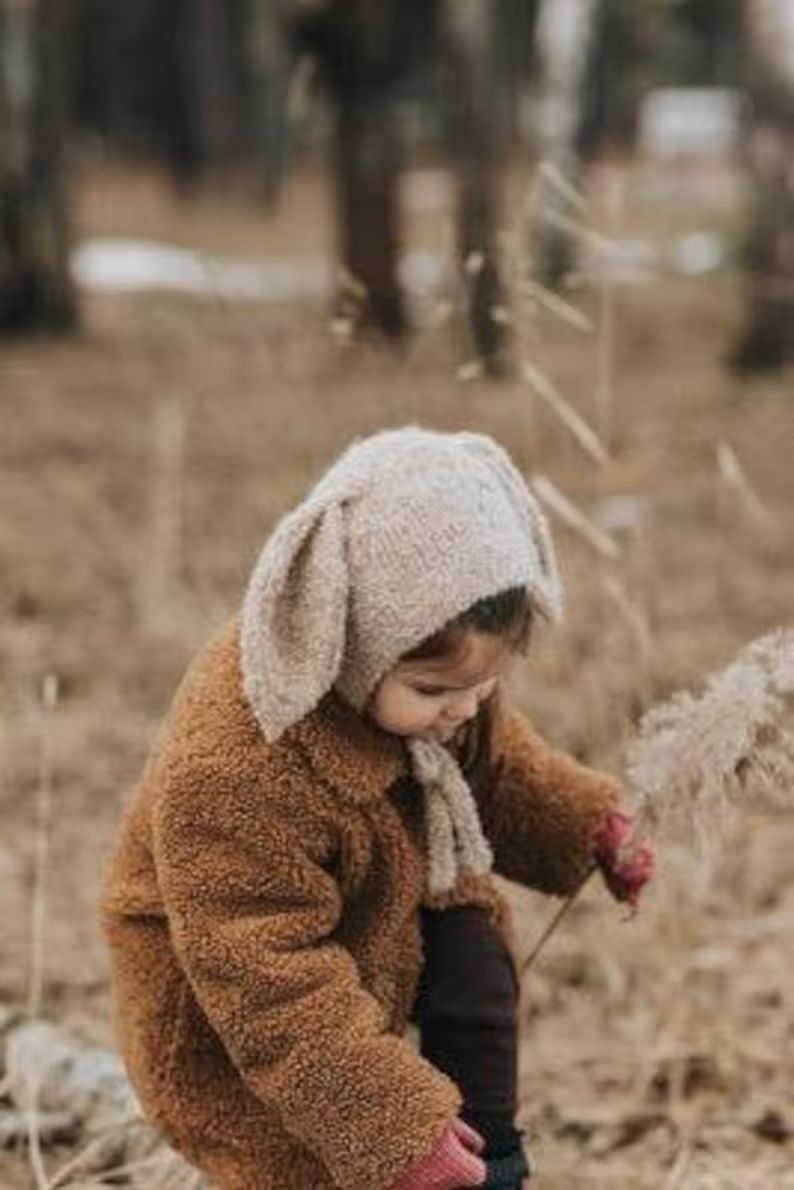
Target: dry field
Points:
(142, 466)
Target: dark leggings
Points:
(466, 1011)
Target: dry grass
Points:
(658, 1053)
(700, 759)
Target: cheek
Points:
(414, 713)
(403, 712)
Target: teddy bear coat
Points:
(262, 914)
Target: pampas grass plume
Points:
(697, 758)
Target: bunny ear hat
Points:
(405, 532)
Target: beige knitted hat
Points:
(406, 531)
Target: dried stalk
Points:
(161, 573)
(584, 434)
(49, 703)
(697, 759)
(94, 1145)
(552, 174)
(605, 358)
(734, 477)
(556, 305)
(694, 757)
(34, 1141)
(553, 924)
(553, 498)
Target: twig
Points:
(605, 358)
(553, 498)
(632, 615)
(732, 474)
(96, 1142)
(584, 434)
(680, 1166)
(553, 924)
(587, 235)
(565, 311)
(160, 1162)
(49, 701)
(161, 576)
(558, 181)
(34, 1138)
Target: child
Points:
(316, 829)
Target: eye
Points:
(430, 691)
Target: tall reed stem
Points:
(49, 701)
(553, 924)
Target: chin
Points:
(442, 734)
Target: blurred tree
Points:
(36, 292)
(767, 337)
(165, 81)
(368, 55)
(617, 72)
(267, 64)
(565, 37)
(477, 95)
(697, 43)
(640, 44)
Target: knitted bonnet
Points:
(407, 530)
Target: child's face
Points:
(433, 698)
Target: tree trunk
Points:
(216, 90)
(367, 179)
(36, 292)
(362, 57)
(767, 337)
(476, 106)
(269, 61)
(564, 36)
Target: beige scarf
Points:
(455, 839)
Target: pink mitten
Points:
(451, 1165)
(626, 870)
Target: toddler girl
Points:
(306, 864)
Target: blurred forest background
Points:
(221, 94)
(235, 233)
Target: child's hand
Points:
(626, 867)
(452, 1165)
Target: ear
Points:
(292, 630)
(548, 590)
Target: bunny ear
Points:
(292, 630)
(547, 589)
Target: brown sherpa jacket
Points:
(262, 913)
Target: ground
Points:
(143, 463)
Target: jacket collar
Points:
(348, 752)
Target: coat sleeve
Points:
(541, 810)
(252, 918)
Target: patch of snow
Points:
(615, 514)
(145, 266)
(697, 252)
(700, 122)
(134, 266)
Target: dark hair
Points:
(508, 614)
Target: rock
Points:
(81, 1094)
(47, 1067)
